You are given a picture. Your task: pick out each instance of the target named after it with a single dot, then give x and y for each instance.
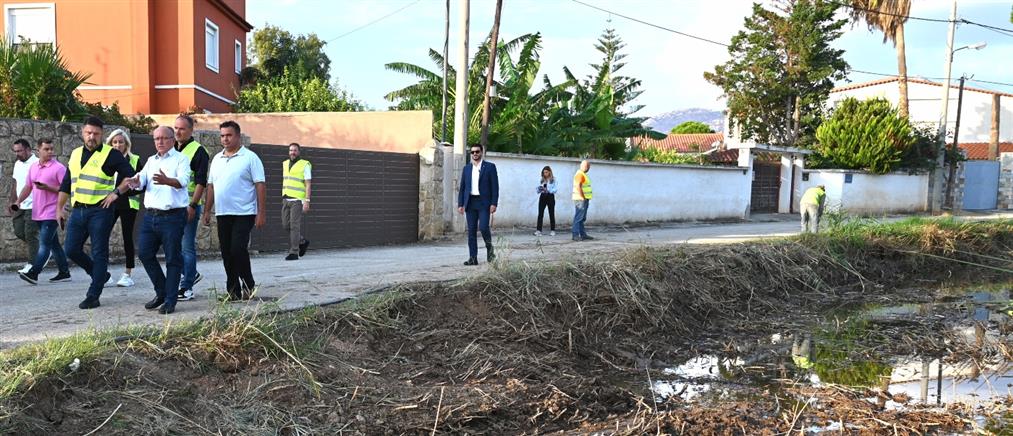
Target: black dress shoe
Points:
(167, 309)
(292, 257)
(305, 244)
(587, 238)
(154, 303)
(490, 253)
(89, 303)
(471, 261)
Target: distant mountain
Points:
(665, 122)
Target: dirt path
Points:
(50, 310)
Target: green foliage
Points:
(35, 83)
(692, 127)
(293, 92)
(865, 135)
(673, 157)
(139, 123)
(572, 118)
(275, 50)
(781, 71)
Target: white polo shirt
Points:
(234, 179)
(164, 197)
(20, 175)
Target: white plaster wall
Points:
(623, 191)
(870, 194)
(924, 104)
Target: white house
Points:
(925, 105)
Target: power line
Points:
(651, 24)
(907, 17)
(372, 22)
(853, 70)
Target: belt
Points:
(160, 212)
(475, 196)
(85, 206)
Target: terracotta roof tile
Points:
(852, 86)
(979, 150)
(682, 143)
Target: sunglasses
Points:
(476, 152)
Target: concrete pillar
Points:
(1005, 194)
(746, 162)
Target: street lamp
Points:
(946, 85)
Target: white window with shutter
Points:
(33, 23)
(239, 57)
(211, 55)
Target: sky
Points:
(669, 65)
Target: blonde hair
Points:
(126, 138)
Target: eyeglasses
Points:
(476, 152)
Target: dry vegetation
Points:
(569, 347)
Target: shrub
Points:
(139, 123)
(35, 83)
(672, 157)
(865, 135)
(293, 92)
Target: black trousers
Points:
(234, 238)
(547, 200)
(127, 219)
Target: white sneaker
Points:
(125, 281)
(552, 233)
(537, 233)
(26, 268)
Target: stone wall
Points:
(66, 137)
(431, 199)
(1005, 200)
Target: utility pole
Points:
(461, 103)
(936, 196)
(446, 53)
(952, 180)
(487, 103)
(461, 106)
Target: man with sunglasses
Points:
(478, 196)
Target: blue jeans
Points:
(49, 242)
(579, 217)
(190, 250)
(165, 231)
(478, 219)
(94, 223)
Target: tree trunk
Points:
(902, 105)
(493, 43)
(993, 132)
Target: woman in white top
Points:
(546, 191)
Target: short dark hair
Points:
(189, 119)
(232, 124)
(476, 145)
(45, 141)
(94, 121)
(23, 143)
(296, 144)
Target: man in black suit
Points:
(478, 196)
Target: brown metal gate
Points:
(359, 198)
(766, 187)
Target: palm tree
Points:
(889, 17)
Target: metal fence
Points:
(359, 198)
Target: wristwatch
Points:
(193, 206)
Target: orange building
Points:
(151, 56)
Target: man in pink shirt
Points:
(43, 184)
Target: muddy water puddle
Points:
(955, 351)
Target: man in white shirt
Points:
(21, 214)
(237, 194)
(163, 180)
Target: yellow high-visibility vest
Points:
(189, 151)
(294, 184)
(578, 186)
(135, 204)
(90, 185)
